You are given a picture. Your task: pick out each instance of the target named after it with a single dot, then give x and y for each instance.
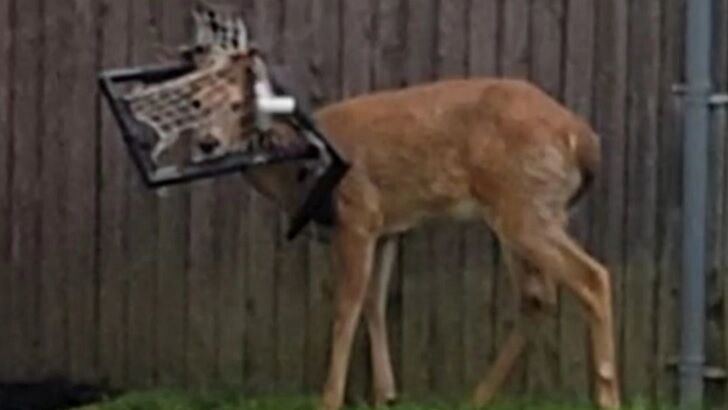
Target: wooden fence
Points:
(102, 280)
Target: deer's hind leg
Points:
(535, 295)
(548, 247)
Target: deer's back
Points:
(459, 148)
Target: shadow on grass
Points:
(53, 394)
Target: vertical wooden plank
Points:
(358, 20)
(259, 287)
(389, 47)
(54, 180)
(25, 213)
(357, 54)
(113, 279)
(579, 59)
(6, 165)
(609, 100)
(203, 281)
(479, 300)
(448, 242)
(639, 281)
(325, 64)
(484, 23)
(479, 250)
(515, 37)
(267, 26)
(172, 237)
(233, 266)
(232, 260)
(216, 269)
(231, 240)
(142, 223)
(293, 259)
(260, 346)
(416, 251)
(416, 330)
(546, 39)
(446, 349)
(389, 57)
(514, 62)
(670, 196)
(81, 212)
(319, 316)
(231, 224)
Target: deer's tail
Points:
(587, 152)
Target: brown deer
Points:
(497, 151)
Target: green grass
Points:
(176, 400)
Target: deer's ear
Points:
(201, 7)
(242, 38)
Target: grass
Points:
(177, 400)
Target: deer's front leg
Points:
(353, 253)
(376, 314)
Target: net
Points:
(212, 102)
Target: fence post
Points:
(695, 174)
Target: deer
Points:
(487, 150)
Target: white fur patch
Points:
(466, 210)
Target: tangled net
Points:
(216, 99)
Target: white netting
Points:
(219, 27)
(227, 95)
(212, 101)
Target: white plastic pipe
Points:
(268, 104)
(276, 105)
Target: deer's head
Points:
(223, 103)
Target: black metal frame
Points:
(154, 177)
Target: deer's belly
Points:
(462, 210)
(466, 210)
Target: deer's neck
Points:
(285, 184)
(279, 183)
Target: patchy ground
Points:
(60, 395)
(169, 400)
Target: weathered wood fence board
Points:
(6, 55)
(113, 287)
(416, 255)
(669, 192)
(173, 236)
(640, 195)
(578, 73)
(103, 280)
(546, 68)
(25, 193)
